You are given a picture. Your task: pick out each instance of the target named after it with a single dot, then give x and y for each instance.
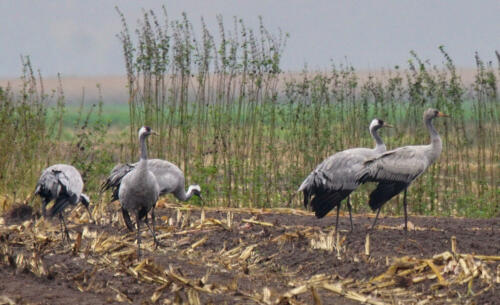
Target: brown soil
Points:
(260, 257)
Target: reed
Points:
(33, 137)
(249, 133)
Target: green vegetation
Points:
(115, 114)
(249, 133)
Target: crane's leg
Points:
(66, 233)
(138, 220)
(350, 210)
(90, 214)
(376, 217)
(153, 231)
(337, 221)
(44, 207)
(406, 213)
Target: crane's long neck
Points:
(436, 144)
(184, 196)
(379, 144)
(144, 152)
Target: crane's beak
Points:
(440, 114)
(202, 200)
(154, 133)
(388, 125)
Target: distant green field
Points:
(117, 115)
(114, 114)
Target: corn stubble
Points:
(192, 269)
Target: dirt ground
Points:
(249, 256)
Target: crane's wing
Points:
(332, 181)
(47, 186)
(115, 178)
(66, 194)
(394, 171)
(169, 177)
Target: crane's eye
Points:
(148, 129)
(380, 122)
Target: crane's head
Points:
(378, 123)
(432, 113)
(195, 189)
(145, 131)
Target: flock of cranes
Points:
(138, 186)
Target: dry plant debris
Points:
(247, 256)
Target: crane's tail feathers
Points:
(307, 198)
(114, 186)
(37, 189)
(115, 178)
(127, 220)
(310, 186)
(325, 194)
(384, 191)
(306, 187)
(104, 186)
(304, 184)
(61, 203)
(326, 201)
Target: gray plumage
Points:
(335, 178)
(170, 179)
(395, 170)
(62, 183)
(139, 190)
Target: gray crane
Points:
(396, 169)
(169, 177)
(62, 183)
(139, 190)
(335, 178)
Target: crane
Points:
(139, 190)
(62, 183)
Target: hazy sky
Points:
(79, 37)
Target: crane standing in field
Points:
(169, 177)
(335, 178)
(62, 183)
(395, 170)
(139, 190)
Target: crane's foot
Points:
(64, 230)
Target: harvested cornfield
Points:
(248, 256)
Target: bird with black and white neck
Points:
(139, 190)
(396, 169)
(62, 183)
(335, 178)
